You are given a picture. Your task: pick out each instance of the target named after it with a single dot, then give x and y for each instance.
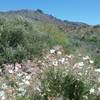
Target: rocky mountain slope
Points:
(82, 37)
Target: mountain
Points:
(39, 15)
(49, 31)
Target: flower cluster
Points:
(16, 79)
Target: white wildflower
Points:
(9, 66)
(81, 64)
(41, 70)
(0, 70)
(66, 62)
(3, 98)
(2, 93)
(98, 79)
(26, 82)
(20, 84)
(85, 97)
(97, 70)
(86, 58)
(4, 86)
(69, 56)
(55, 63)
(43, 63)
(10, 71)
(92, 90)
(19, 74)
(59, 53)
(52, 51)
(22, 90)
(37, 88)
(99, 89)
(80, 74)
(28, 77)
(62, 60)
(78, 65)
(39, 61)
(48, 90)
(16, 69)
(18, 65)
(86, 71)
(91, 61)
(67, 59)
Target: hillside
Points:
(75, 36)
(45, 58)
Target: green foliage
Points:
(16, 37)
(73, 88)
(8, 55)
(57, 83)
(27, 97)
(52, 84)
(20, 53)
(20, 39)
(97, 61)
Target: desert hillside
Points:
(45, 58)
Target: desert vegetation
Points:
(44, 58)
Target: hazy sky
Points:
(74, 10)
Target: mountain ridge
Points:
(30, 11)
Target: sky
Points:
(87, 11)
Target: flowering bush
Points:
(54, 76)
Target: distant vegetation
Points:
(20, 39)
(26, 33)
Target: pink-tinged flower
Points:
(18, 65)
(10, 71)
(16, 69)
(62, 60)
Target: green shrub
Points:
(16, 37)
(8, 55)
(52, 84)
(57, 83)
(20, 39)
(97, 61)
(73, 88)
(20, 53)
